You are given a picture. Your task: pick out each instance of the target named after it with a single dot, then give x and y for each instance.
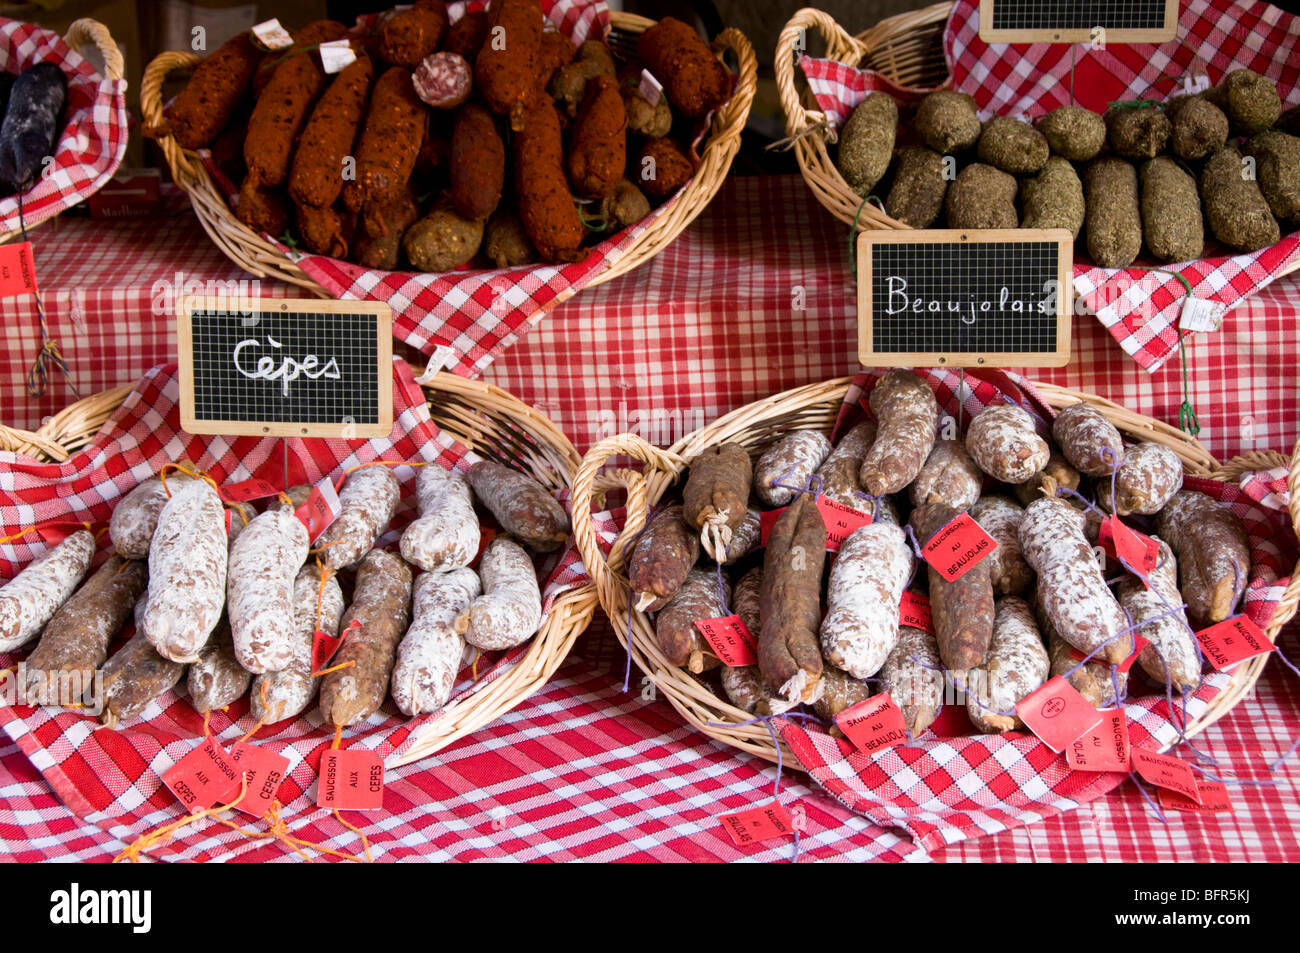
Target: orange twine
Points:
(478, 652)
(133, 850)
(334, 668)
(377, 463)
(188, 471)
(39, 526)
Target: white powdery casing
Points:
(366, 504)
(1004, 444)
(1173, 644)
(289, 691)
(1149, 477)
(187, 572)
(259, 598)
(1016, 665)
(31, 598)
(509, 612)
(429, 656)
(134, 519)
(447, 534)
(1071, 589)
(791, 460)
(1000, 517)
(913, 677)
(866, 586)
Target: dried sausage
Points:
(429, 656)
(509, 611)
(366, 504)
(259, 600)
(790, 607)
(521, 505)
(32, 597)
(446, 535)
(907, 418)
(866, 584)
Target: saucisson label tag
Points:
(730, 640)
(873, 723)
(840, 522)
(650, 88)
(17, 270)
(958, 548)
(1165, 771)
(1232, 641)
(320, 509)
(324, 646)
(337, 55)
(265, 771)
(914, 610)
(758, 824)
(351, 779)
(1057, 714)
(203, 777)
(272, 36)
(246, 490)
(56, 531)
(1138, 551)
(1139, 643)
(766, 520)
(1104, 748)
(1214, 799)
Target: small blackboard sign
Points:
(965, 298)
(285, 368)
(1078, 21)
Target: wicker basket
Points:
(490, 422)
(81, 34)
(816, 406)
(260, 257)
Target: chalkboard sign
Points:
(965, 298)
(286, 368)
(1077, 21)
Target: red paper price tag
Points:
(315, 514)
(201, 778)
(17, 270)
(1214, 799)
(351, 779)
(953, 722)
(873, 723)
(766, 520)
(57, 531)
(957, 548)
(1104, 748)
(1057, 714)
(1139, 551)
(840, 522)
(1165, 771)
(246, 490)
(914, 610)
(730, 640)
(1232, 641)
(324, 645)
(1139, 643)
(265, 771)
(758, 824)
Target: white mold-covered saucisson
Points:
(949, 476)
(288, 692)
(430, 653)
(134, 519)
(1016, 665)
(1004, 444)
(217, 678)
(866, 584)
(1089, 441)
(1213, 553)
(187, 572)
(908, 421)
(263, 563)
(1000, 517)
(1173, 645)
(913, 677)
(523, 507)
(509, 612)
(31, 598)
(446, 535)
(744, 684)
(785, 466)
(1150, 475)
(366, 504)
(1071, 590)
(841, 471)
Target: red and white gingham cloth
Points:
(111, 772)
(93, 140)
(1139, 307)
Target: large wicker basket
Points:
(259, 257)
(815, 407)
(490, 422)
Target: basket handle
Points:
(87, 32)
(729, 121)
(839, 46)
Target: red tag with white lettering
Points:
(840, 522)
(766, 520)
(315, 514)
(265, 771)
(958, 548)
(17, 270)
(953, 722)
(1165, 771)
(1138, 551)
(914, 610)
(324, 645)
(351, 779)
(1232, 641)
(246, 490)
(758, 824)
(873, 723)
(730, 640)
(1057, 714)
(1214, 799)
(201, 778)
(1104, 748)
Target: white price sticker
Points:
(1194, 83)
(442, 356)
(337, 55)
(651, 88)
(273, 36)
(1201, 315)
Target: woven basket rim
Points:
(261, 258)
(571, 613)
(716, 716)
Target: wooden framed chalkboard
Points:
(965, 297)
(285, 367)
(1076, 21)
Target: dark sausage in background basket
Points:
(211, 98)
(32, 123)
(693, 79)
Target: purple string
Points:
(1120, 698)
(1147, 798)
(1091, 506)
(916, 547)
(875, 499)
(1108, 455)
(1242, 781)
